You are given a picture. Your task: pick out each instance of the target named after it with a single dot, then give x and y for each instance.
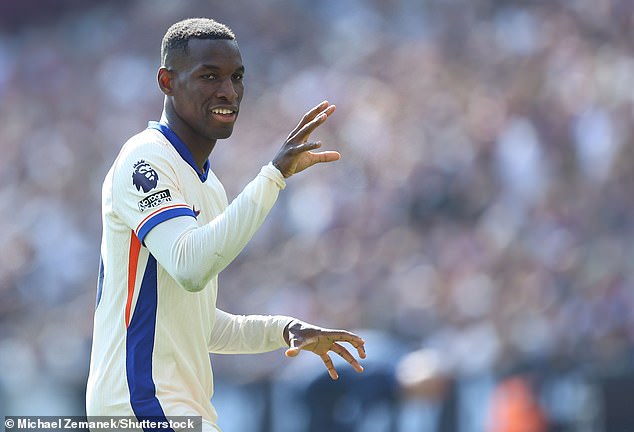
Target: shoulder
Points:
(148, 143)
(146, 152)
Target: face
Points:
(206, 87)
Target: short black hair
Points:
(177, 37)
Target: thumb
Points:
(292, 352)
(327, 156)
(294, 349)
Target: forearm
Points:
(193, 255)
(247, 334)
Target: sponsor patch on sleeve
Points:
(155, 200)
(144, 176)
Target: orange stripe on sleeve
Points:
(135, 247)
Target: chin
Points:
(221, 133)
(224, 135)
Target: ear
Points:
(164, 78)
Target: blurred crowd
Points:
(481, 210)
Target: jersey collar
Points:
(181, 148)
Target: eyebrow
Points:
(214, 67)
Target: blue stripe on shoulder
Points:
(181, 148)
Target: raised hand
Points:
(304, 336)
(296, 154)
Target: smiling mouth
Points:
(224, 114)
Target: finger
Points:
(345, 354)
(297, 345)
(331, 368)
(346, 336)
(353, 339)
(359, 344)
(326, 156)
(309, 116)
(304, 132)
(329, 110)
(361, 350)
(294, 348)
(292, 352)
(311, 145)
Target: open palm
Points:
(303, 336)
(296, 154)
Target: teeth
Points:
(222, 111)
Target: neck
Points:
(199, 146)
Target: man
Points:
(168, 231)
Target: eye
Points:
(238, 77)
(208, 76)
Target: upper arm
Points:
(167, 243)
(146, 189)
(147, 195)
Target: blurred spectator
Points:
(515, 408)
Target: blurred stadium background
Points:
(479, 230)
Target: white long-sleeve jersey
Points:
(168, 231)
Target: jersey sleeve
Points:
(146, 190)
(247, 334)
(193, 254)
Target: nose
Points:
(226, 90)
